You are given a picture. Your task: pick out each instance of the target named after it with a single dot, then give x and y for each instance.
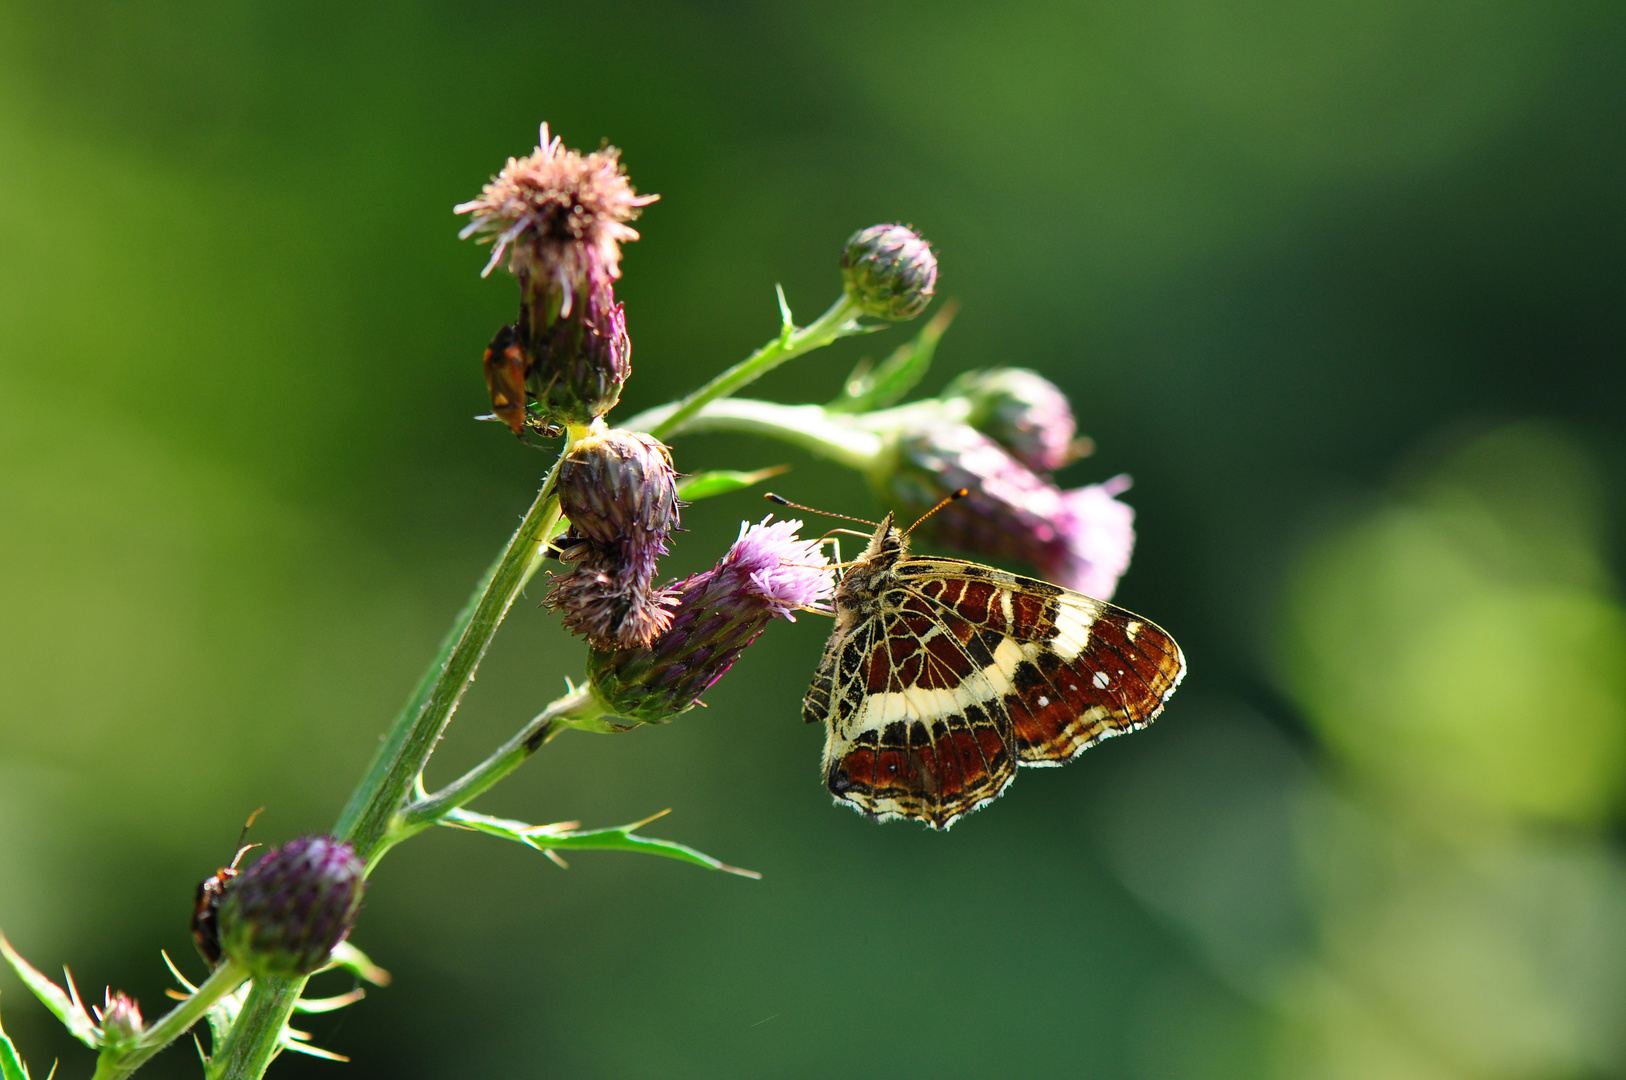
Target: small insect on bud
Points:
(768, 573)
(1081, 539)
(120, 1018)
(505, 365)
(890, 271)
(1025, 413)
(561, 218)
(285, 914)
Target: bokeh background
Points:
(1342, 285)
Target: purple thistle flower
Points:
(1025, 413)
(1081, 539)
(768, 573)
(285, 914)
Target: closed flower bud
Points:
(615, 483)
(561, 217)
(890, 272)
(768, 573)
(1081, 539)
(120, 1017)
(285, 914)
(1024, 412)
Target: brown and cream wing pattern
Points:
(1079, 669)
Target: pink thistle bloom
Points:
(768, 573)
(1081, 539)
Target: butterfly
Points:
(942, 676)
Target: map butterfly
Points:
(942, 676)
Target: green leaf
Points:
(566, 836)
(11, 1063)
(722, 481)
(68, 1009)
(876, 387)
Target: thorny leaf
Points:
(67, 1008)
(566, 836)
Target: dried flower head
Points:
(1025, 413)
(285, 914)
(1081, 539)
(768, 573)
(890, 271)
(619, 491)
(560, 217)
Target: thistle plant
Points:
(605, 514)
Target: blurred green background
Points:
(1341, 285)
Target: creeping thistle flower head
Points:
(120, 1018)
(560, 217)
(1081, 539)
(619, 491)
(1025, 413)
(285, 914)
(768, 573)
(890, 271)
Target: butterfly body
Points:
(942, 676)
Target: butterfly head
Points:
(887, 545)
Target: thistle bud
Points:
(561, 218)
(889, 271)
(615, 484)
(1024, 412)
(1081, 539)
(619, 491)
(768, 573)
(120, 1018)
(285, 914)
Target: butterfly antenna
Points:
(951, 497)
(782, 501)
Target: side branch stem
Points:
(175, 1023)
(366, 820)
(580, 704)
(839, 322)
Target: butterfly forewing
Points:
(1087, 669)
(947, 674)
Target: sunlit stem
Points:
(371, 816)
(839, 322)
(581, 704)
(116, 1064)
(366, 820)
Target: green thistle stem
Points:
(366, 820)
(839, 322)
(369, 820)
(581, 704)
(115, 1065)
(811, 427)
(256, 1037)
